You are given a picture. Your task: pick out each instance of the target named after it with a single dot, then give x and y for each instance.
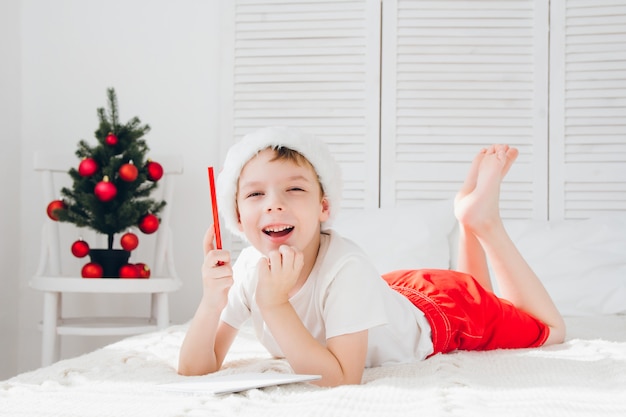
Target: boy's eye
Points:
(254, 194)
(296, 189)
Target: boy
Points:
(316, 300)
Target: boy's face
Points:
(280, 203)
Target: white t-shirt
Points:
(343, 294)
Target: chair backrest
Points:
(156, 250)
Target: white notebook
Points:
(225, 384)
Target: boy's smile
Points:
(280, 203)
(278, 231)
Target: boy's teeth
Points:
(277, 229)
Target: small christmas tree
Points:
(113, 181)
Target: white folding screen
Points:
(314, 65)
(587, 108)
(407, 91)
(458, 76)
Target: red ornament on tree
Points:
(129, 271)
(53, 207)
(144, 270)
(149, 223)
(128, 172)
(111, 139)
(92, 270)
(87, 167)
(80, 248)
(129, 241)
(105, 190)
(155, 170)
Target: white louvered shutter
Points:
(309, 64)
(312, 65)
(457, 76)
(587, 108)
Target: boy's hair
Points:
(283, 153)
(289, 144)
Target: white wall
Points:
(162, 58)
(9, 183)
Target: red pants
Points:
(465, 316)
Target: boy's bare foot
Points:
(477, 203)
(472, 175)
(511, 156)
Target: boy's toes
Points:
(511, 156)
(490, 149)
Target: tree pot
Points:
(111, 260)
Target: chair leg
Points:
(160, 310)
(50, 345)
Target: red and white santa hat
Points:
(311, 147)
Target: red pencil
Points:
(216, 219)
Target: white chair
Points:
(53, 281)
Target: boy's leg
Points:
(479, 214)
(471, 256)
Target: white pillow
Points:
(582, 263)
(407, 237)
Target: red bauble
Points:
(80, 248)
(129, 241)
(129, 271)
(128, 172)
(149, 223)
(53, 207)
(144, 270)
(111, 139)
(155, 170)
(87, 167)
(91, 270)
(105, 190)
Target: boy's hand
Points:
(217, 273)
(278, 274)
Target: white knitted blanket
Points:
(586, 376)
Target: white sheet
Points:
(585, 376)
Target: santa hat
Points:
(312, 148)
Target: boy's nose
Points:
(274, 203)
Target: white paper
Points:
(224, 384)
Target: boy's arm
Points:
(341, 362)
(208, 339)
(205, 345)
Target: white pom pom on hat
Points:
(311, 147)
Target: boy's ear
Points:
(239, 226)
(325, 214)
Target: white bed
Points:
(586, 376)
(584, 263)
